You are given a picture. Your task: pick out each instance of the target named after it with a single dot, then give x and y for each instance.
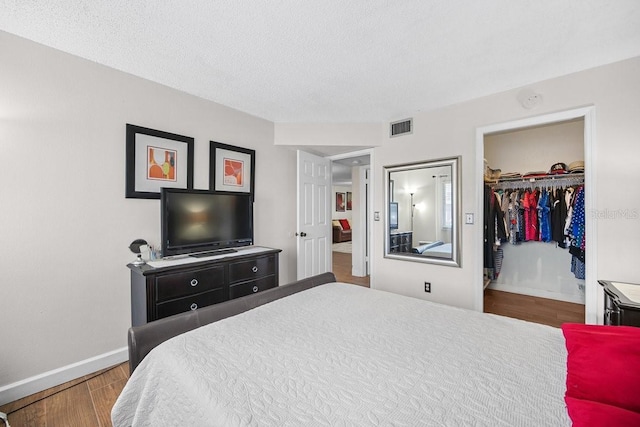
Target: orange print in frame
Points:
(161, 164)
(233, 172)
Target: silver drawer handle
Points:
(254, 269)
(194, 306)
(255, 289)
(194, 282)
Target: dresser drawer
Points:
(252, 269)
(171, 286)
(191, 302)
(251, 287)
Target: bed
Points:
(318, 352)
(434, 249)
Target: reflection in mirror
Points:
(422, 220)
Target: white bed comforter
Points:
(343, 355)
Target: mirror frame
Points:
(455, 260)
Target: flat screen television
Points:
(393, 215)
(199, 222)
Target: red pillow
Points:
(586, 413)
(603, 364)
(345, 224)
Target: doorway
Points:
(351, 199)
(585, 117)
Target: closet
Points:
(534, 211)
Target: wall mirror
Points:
(422, 220)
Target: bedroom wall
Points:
(613, 89)
(66, 224)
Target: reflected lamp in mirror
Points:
(422, 221)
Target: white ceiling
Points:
(335, 60)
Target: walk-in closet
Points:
(534, 215)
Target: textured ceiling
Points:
(335, 61)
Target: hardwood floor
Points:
(533, 309)
(84, 402)
(87, 401)
(342, 270)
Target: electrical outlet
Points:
(427, 286)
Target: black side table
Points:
(621, 303)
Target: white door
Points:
(314, 215)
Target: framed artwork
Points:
(349, 203)
(231, 168)
(156, 159)
(340, 202)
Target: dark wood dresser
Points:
(400, 241)
(621, 303)
(167, 287)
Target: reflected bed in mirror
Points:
(422, 221)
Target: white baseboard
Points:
(49, 379)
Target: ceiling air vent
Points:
(402, 127)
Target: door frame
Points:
(368, 215)
(594, 299)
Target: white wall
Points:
(613, 90)
(65, 223)
(342, 214)
(535, 149)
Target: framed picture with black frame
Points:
(232, 168)
(156, 159)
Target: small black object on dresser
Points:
(621, 303)
(164, 288)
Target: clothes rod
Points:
(541, 181)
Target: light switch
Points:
(468, 218)
(376, 216)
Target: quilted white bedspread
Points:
(343, 355)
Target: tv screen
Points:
(195, 221)
(393, 216)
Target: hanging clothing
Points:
(577, 233)
(544, 216)
(568, 197)
(493, 230)
(558, 215)
(530, 202)
(513, 218)
(521, 222)
(578, 219)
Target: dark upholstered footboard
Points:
(142, 339)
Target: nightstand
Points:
(621, 303)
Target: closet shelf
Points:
(547, 180)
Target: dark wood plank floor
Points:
(84, 402)
(87, 401)
(540, 310)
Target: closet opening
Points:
(534, 219)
